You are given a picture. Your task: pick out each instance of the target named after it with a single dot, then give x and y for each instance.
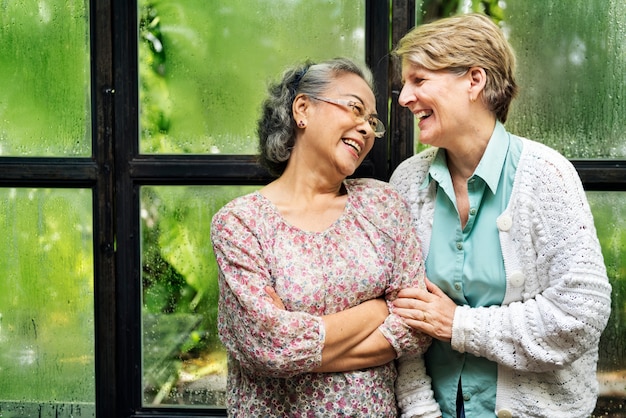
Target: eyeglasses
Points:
(359, 113)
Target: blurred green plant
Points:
(47, 335)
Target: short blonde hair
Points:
(460, 42)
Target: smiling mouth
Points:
(421, 115)
(353, 144)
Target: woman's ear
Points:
(299, 108)
(478, 80)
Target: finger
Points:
(412, 314)
(433, 288)
(420, 326)
(274, 298)
(271, 292)
(411, 292)
(406, 303)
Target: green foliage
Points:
(44, 79)
(571, 75)
(179, 271)
(609, 210)
(204, 70)
(435, 9)
(47, 299)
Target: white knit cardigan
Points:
(545, 335)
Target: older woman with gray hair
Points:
(309, 264)
(518, 294)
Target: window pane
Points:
(572, 73)
(44, 79)
(46, 303)
(609, 210)
(204, 69)
(184, 362)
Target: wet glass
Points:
(204, 70)
(571, 60)
(44, 79)
(609, 210)
(46, 303)
(184, 362)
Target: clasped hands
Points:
(428, 310)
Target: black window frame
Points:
(117, 170)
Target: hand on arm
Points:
(430, 311)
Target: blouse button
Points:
(457, 287)
(517, 279)
(504, 223)
(459, 245)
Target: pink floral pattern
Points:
(370, 251)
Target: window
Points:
(47, 212)
(126, 125)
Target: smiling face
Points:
(334, 135)
(440, 100)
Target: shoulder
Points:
(372, 191)
(378, 202)
(418, 161)
(541, 165)
(414, 169)
(242, 209)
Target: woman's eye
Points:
(358, 109)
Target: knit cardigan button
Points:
(517, 278)
(505, 413)
(504, 223)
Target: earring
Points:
(301, 124)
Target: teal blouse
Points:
(467, 265)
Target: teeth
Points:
(423, 114)
(353, 144)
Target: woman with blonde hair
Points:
(518, 294)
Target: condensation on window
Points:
(571, 61)
(609, 210)
(44, 79)
(204, 70)
(184, 362)
(47, 302)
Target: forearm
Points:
(352, 338)
(373, 351)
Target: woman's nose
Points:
(406, 96)
(364, 128)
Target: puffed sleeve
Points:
(263, 338)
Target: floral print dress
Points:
(370, 251)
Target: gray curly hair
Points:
(276, 127)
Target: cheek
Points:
(368, 147)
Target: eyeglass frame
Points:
(358, 110)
